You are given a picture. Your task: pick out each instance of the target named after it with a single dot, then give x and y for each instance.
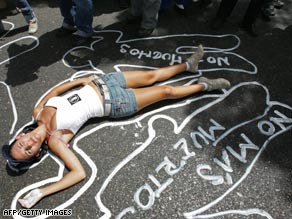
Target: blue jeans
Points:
(26, 10)
(77, 13)
(122, 99)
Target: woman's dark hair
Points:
(19, 165)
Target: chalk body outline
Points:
(78, 150)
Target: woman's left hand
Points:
(31, 198)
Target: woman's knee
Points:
(168, 91)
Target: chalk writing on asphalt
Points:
(239, 150)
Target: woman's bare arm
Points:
(75, 175)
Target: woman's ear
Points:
(19, 136)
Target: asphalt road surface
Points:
(222, 154)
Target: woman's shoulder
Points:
(61, 136)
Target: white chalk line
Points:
(11, 28)
(249, 168)
(27, 50)
(90, 178)
(245, 212)
(151, 131)
(208, 49)
(151, 136)
(77, 139)
(237, 39)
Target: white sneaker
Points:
(32, 27)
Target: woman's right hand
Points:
(31, 198)
(89, 79)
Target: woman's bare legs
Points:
(136, 79)
(142, 78)
(149, 95)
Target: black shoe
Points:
(79, 40)
(143, 32)
(250, 29)
(64, 32)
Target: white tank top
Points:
(76, 107)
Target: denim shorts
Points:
(122, 99)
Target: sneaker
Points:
(80, 41)
(64, 32)
(143, 32)
(32, 27)
(194, 60)
(214, 84)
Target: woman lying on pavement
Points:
(119, 94)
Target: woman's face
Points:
(26, 146)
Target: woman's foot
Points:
(214, 84)
(193, 61)
(32, 27)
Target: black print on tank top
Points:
(74, 99)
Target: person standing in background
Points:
(147, 10)
(28, 14)
(226, 7)
(78, 18)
